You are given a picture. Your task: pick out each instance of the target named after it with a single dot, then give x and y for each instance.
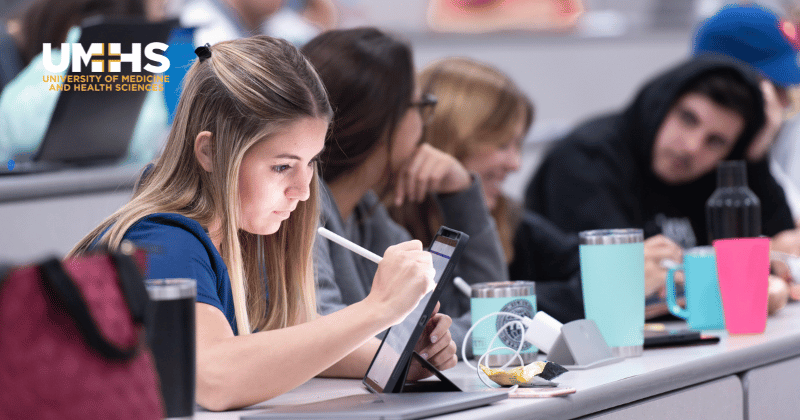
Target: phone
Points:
(387, 372)
(676, 337)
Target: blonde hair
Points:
(477, 105)
(247, 91)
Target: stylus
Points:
(463, 286)
(458, 281)
(350, 245)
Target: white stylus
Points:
(463, 286)
(350, 245)
(460, 284)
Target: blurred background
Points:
(574, 58)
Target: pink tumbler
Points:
(743, 273)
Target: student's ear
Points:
(203, 150)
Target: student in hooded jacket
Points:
(653, 164)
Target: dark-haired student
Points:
(373, 153)
(653, 164)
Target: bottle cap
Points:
(732, 173)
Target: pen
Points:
(463, 286)
(460, 284)
(350, 245)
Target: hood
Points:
(643, 117)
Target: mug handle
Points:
(672, 303)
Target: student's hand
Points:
(430, 170)
(404, 276)
(787, 241)
(435, 345)
(658, 248)
(773, 111)
(777, 294)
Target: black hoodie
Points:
(600, 175)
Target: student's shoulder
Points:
(177, 247)
(587, 151)
(170, 232)
(589, 138)
(376, 223)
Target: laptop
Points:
(392, 397)
(90, 128)
(383, 406)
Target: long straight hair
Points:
(477, 105)
(369, 75)
(247, 91)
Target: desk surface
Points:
(656, 372)
(68, 182)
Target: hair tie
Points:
(203, 52)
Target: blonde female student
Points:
(481, 119)
(232, 202)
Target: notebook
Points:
(95, 127)
(383, 406)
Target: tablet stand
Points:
(580, 345)
(442, 385)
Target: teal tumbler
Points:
(612, 274)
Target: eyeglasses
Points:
(425, 105)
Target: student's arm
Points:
(436, 344)
(542, 251)
(579, 192)
(483, 259)
(355, 364)
(776, 216)
(429, 170)
(237, 371)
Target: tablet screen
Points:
(399, 335)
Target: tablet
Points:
(680, 337)
(387, 371)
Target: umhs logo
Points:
(96, 55)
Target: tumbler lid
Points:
(504, 289)
(171, 289)
(611, 236)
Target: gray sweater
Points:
(344, 278)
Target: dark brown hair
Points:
(369, 76)
(728, 89)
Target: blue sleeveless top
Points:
(178, 247)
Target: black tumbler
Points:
(733, 210)
(171, 336)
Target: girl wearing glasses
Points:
(374, 156)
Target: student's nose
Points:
(513, 159)
(693, 141)
(301, 186)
